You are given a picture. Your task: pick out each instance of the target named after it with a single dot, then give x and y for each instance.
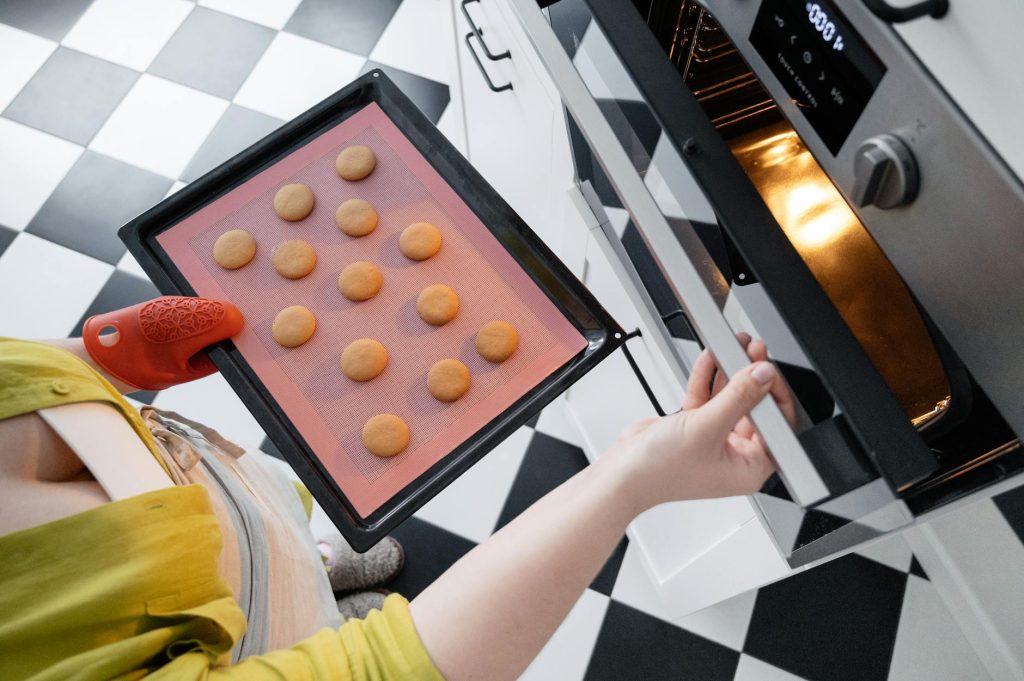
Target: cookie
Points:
(496, 341)
(355, 163)
(420, 241)
(294, 202)
(437, 304)
(364, 359)
(356, 217)
(294, 259)
(293, 326)
(386, 435)
(448, 380)
(234, 249)
(360, 281)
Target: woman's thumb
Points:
(740, 395)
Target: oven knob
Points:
(885, 173)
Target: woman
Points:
(98, 581)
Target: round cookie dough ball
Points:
(386, 435)
(356, 217)
(294, 259)
(234, 249)
(496, 341)
(420, 241)
(294, 202)
(437, 304)
(364, 359)
(448, 380)
(360, 281)
(293, 326)
(355, 162)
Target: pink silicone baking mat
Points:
(327, 408)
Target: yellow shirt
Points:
(130, 589)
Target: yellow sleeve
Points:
(383, 647)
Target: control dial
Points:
(885, 173)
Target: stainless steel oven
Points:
(798, 162)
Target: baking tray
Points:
(231, 187)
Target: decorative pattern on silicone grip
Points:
(166, 320)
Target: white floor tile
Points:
(21, 54)
(753, 669)
(415, 41)
(127, 32)
(929, 644)
(726, 622)
(32, 164)
(211, 401)
(272, 13)
(891, 550)
(567, 653)
(54, 286)
(129, 264)
(294, 74)
(470, 506)
(635, 587)
(555, 421)
(159, 125)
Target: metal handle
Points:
(935, 9)
(795, 467)
(479, 33)
(480, 65)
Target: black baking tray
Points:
(568, 294)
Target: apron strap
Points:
(109, 448)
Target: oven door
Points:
(699, 233)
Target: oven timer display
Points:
(825, 26)
(825, 65)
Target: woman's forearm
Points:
(491, 613)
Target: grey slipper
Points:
(358, 605)
(351, 571)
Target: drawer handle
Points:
(897, 15)
(480, 65)
(479, 33)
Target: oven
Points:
(805, 172)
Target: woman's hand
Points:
(710, 448)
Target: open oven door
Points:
(697, 235)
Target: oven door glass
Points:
(716, 262)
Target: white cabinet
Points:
(515, 138)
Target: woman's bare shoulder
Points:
(41, 478)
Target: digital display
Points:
(825, 66)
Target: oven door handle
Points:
(796, 469)
(935, 9)
(479, 33)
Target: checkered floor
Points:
(110, 105)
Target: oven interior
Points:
(936, 392)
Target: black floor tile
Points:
(121, 290)
(836, 622)
(605, 580)
(548, 463)
(917, 569)
(634, 646)
(212, 52)
(237, 129)
(49, 19)
(71, 95)
(7, 235)
(430, 96)
(429, 551)
(96, 197)
(1011, 505)
(351, 25)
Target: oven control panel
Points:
(825, 66)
